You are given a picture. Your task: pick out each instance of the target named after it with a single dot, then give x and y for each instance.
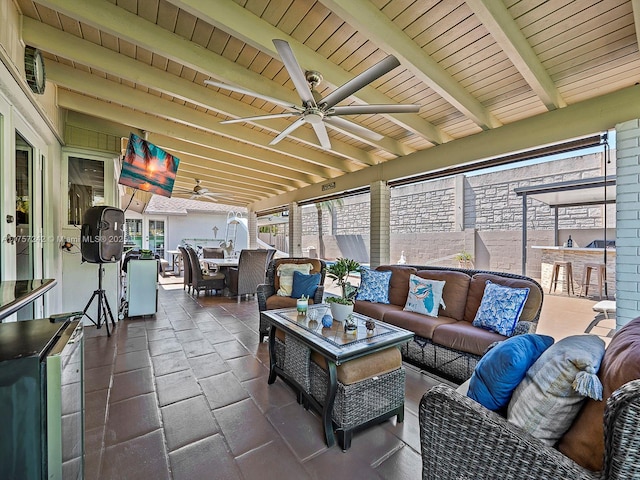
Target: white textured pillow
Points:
(552, 392)
(285, 272)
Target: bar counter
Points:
(578, 257)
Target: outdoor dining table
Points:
(221, 262)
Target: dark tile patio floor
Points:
(183, 395)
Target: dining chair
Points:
(201, 281)
(251, 271)
(187, 268)
(212, 252)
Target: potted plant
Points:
(339, 271)
(463, 258)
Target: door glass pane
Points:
(133, 233)
(86, 187)
(156, 237)
(24, 217)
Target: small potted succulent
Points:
(464, 259)
(339, 271)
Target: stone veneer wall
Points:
(423, 217)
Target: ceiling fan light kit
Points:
(317, 111)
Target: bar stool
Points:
(568, 276)
(601, 273)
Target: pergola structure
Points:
(571, 193)
(491, 78)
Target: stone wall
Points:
(423, 217)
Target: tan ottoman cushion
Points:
(364, 367)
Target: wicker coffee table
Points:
(334, 371)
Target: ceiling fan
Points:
(317, 111)
(198, 192)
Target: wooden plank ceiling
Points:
(474, 65)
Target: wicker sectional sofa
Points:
(449, 344)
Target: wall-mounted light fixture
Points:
(67, 245)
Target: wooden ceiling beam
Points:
(87, 53)
(370, 21)
(127, 116)
(239, 22)
(155, 106)
(503, 28)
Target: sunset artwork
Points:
(148, 167)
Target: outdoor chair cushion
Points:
(584, 442)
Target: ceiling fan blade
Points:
(218, 194)
(321, 133)
(354, 128)
(295, 72)
(261, 117)
(244, 91)
(356, 83)
(368, 109)
(287, 131)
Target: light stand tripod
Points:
(103, 305)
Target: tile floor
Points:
(183, 395)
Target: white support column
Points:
(295, 230)
(252, 229)
(380, 213)
(627, 221)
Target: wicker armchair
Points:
(252, 266)
(266, 293)
(461, 439)
(200, 281)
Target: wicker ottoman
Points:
(370, 390)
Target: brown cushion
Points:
(364, 367)
(465, 337)
(316, 267)
(421, 325)
(476, 290)
(374, 310)
(399, 283)
(455, 291)
(276, 301)
(584, 441)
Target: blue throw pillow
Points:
(304, 284)
(500, 308)
(502, 368)
(374, 286)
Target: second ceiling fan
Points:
(317, 111)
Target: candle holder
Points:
(302, 305)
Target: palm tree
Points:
(328, 205)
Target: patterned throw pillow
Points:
(285, 272)
(425, 296)
(552, 392)
(374, 286)
(500, 308)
